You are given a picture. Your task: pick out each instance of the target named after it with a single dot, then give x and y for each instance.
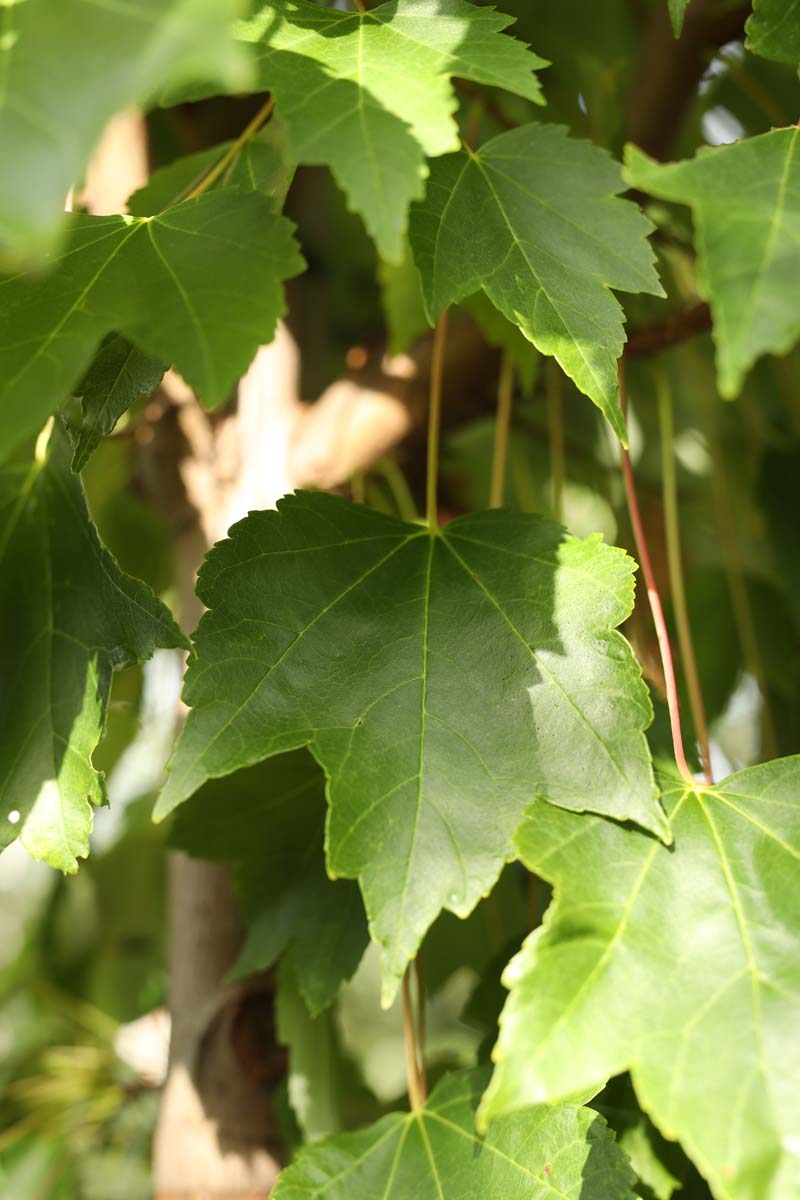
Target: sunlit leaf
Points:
(681, 964)
(533, 218)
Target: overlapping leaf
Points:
(369, 94)
(120, 372)
(68, 617)
(268, 822)
(773, 30)
(435, 1154)
(199, 286)
(66, 66)
(442, 679)
(682, 964)
(746, 203)
(534, 220)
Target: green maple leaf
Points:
(746, 203)
(120, 373)
(682, 964)
(533, 219)
(442, 679)
(773, 30)
(198, 285)
(69, 617)
(435, 1154)
(369, 94)
(268, 822)
(118, 55)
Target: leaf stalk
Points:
(654, 598)
(502, 429)
(435, 419)
(416, 1084)
(249, 131)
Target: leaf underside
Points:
(119, 373)
(68, 617)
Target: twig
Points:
(650, 339)
(654, 598)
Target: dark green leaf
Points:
(69, 617)
(746, 203)
(120, 373)
(682, 964)
(435, 1154)
(441, 678)
(67, 66)
(533, 218)
(269, 823)
(198, 286)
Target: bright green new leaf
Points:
(677, 15)
(682, 964)
(435, 1154)
(67, 66)
(268, 822)
(442, 679)
(68, 617)
(746, 203)
(369, 94)
(198, 286)
(773, 30)
(533, 218)
(120, 373)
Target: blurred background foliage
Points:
(82, 960)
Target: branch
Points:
(671, 331)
